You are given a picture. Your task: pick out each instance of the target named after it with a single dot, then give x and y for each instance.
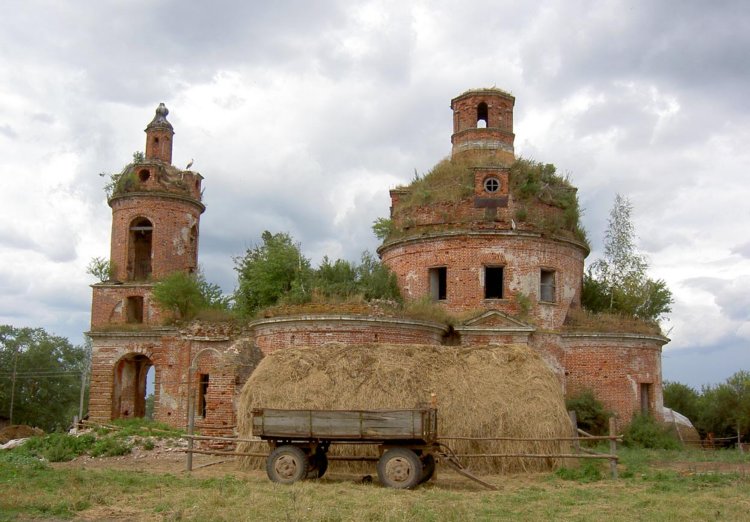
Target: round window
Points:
(492, 185)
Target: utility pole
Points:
(13, 384)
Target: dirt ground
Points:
(161, 459)
(169, 456)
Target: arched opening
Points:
(139, 251)
(144, 174)
(483, 120)
(129, 386)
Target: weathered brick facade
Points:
(511, 282)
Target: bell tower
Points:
(483, 126)
(156, 211)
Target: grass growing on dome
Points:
(541, 197)
(449, 180)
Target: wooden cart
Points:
(299, 439)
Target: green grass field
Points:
(654, 485)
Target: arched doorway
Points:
(129, 386)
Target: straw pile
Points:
(488, 391)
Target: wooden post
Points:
(574, 425)
(612, 448)
(739, 438)
(191, 427)
(433, 404)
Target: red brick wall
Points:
(109, 304)
(614, 366)
(522, 255)
(171, 354)
(496, 140)
(174, 244)
(277, 333)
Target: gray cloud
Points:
(732, 296)
(742, 250)
(293, 111)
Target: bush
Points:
(187, 294)
(144, 427)
(109, 447)
(58, 447)
(645, 432)
(591, 415)
(19, 460)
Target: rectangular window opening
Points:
(493, 282)
(438, 283)
(547, 286)
(134, 309)
(202, 393)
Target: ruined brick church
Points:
(473, 255)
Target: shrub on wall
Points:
(187, 294)
(591, 415)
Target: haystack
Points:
(488, 391)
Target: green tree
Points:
(382, 227)
(738, 399)
(271, 271)
(40, 377)
(683, 399)
(619, 282)
(186, 294)
(100, 268)
(376, 281)
(336, 279)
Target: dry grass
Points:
(584, 320)
(423, 309)
(482, 392)
(447, 181)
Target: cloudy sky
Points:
(301, 115)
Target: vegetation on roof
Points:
(543, 198)
(583, 320)
(532, 183)
(275, 272)
(127, 179)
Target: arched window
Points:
(483, 119)
(140, 238)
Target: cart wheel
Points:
(287, 464)
(318, 466)
(428, 468)
(399, 468)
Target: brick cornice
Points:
(662, 340)
(351, 319)
(158, 195)
(453, 234)
(150, 333)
